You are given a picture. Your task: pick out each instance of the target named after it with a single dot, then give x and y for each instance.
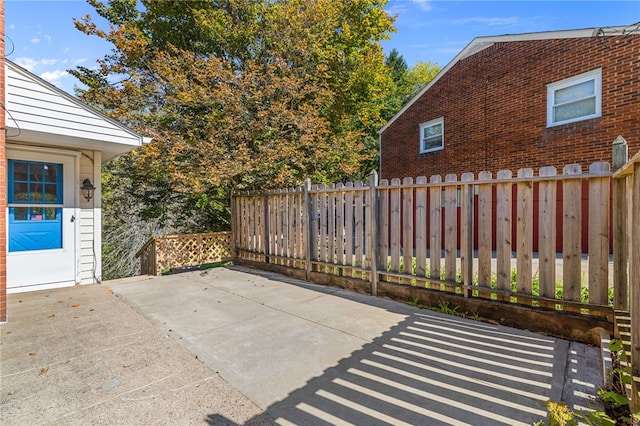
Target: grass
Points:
(535, 284)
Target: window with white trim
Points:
(575, 99)
(432, 135)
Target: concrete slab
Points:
(80, 356)
(310, 354)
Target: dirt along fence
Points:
(460, 242)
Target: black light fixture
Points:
(87, 189)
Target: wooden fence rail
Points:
(421, 234)
(159, 254)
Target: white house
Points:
(55, 144)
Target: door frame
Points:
(71, 202)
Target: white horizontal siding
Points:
(87, 251)
(36, 105)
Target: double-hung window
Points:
(432, 135)
(575, 99)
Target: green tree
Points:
(420, 75)
(237, 94)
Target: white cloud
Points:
(31, 64)
(48, 37)
(35, 40)
(54, 77)
(488, 21)
(26, 63)
(423, 4)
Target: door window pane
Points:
(20, 213)
(36, 213)
(51, 213)
(50, 193)
(20, 192)
(20, 171)
(50, 173)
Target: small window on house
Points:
(432, 135)
(574, 99)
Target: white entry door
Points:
(41, 220)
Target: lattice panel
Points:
(191, 250)
(216, 247)
(175, 252)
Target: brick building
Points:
(515, 101)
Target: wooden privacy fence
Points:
(626, 238)
(178, 251)
(421, 233)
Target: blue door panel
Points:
(27, 235)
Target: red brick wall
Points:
(3, 180)
(494, 106)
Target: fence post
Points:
(234, 219)
(373, 230)
(266, 220)
(620, 247)
(308, 230)
(156, 267)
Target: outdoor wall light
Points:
(87, 189)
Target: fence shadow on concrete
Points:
(440, 369)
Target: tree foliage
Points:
(237, 94)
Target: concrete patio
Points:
(240, 346)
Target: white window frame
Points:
(430, 124)
(595, 75)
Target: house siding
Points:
(35, 106)
(89, 265)
(494, 105)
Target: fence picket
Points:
(331, 225)
(524, 233)
(421, 226)
(394, 223)
(340, 233)
(359, 224)
(383, 233)
(571, 229)
(324, 230)
(286, 227)
(450, 227)
(314, 235)
(599, 234)
(407, 225)
(435, 237)
(485, 226)
(503, 232)
(547, 233)
(466, 231)
(348, 196)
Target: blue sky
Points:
(42, 38)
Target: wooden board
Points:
(571, 229)
(524, 232)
